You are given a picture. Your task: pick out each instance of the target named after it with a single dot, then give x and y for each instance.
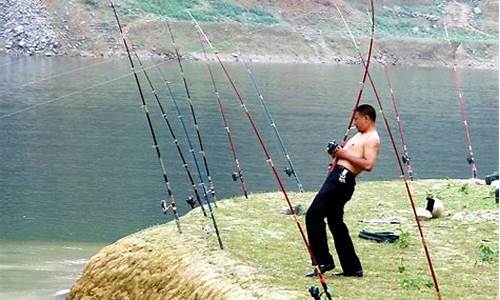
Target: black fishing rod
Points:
(269, 160)
(206, 194)
(193, 115)
(454, 74)
(400, 165)
(172, 134)
(290, 170)
(239, 173)
(172, 204)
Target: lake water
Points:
(78, 170)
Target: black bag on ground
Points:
(379, 236)
(490, 178)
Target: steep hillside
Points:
(408, 32)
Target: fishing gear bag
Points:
(379, 236)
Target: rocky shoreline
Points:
(28, 29)
(25, 29)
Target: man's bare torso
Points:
(356, 147)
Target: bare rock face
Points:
(25, 28)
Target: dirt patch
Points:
(482, 216)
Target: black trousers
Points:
(329, 203)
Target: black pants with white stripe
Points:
(329, 203)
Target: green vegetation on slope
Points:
(209, 11)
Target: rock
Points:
(299, 210)
(19, 29)
(423, 214)
(476, 10)
(25, 27)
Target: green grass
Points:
(208, 11)
(265, 256)
(258, 234)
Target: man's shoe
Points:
(322, 269)
(358, 273)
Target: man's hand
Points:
(333, 154)
(339, 153)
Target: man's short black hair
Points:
(367, 110)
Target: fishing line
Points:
(332, 164)
(170, 129)
(172, 204)
(454, 74)
(405, 157)
(396, 153)
(65, 73)
(193, 115)
(268, 157)
(71, 94)
(290, 170)
(206, 194)
(238, 175)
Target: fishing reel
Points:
(315, 293)
(332, 146)
(289, 171)
(190, 200)
(470, 159)
(406, 159)
(165, 207)
(237, 175)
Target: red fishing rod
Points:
(406, 156)
(400, 165)
(150, 124)
(238, 175)
(269, 160)
(331, 166)
(454, 74)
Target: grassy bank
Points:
(266, 259)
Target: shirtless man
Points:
(359, 154)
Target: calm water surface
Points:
(78, 169)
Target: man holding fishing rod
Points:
(357, 155)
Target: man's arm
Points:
(367, 162)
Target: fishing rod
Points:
(172, 204)
(239, 173)
(290, 170)
(268, 157)
(193, 115)
(400, 165)
(206, 194)
(470, 157)
(172, 134)
(332, 164)
(405, 157)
